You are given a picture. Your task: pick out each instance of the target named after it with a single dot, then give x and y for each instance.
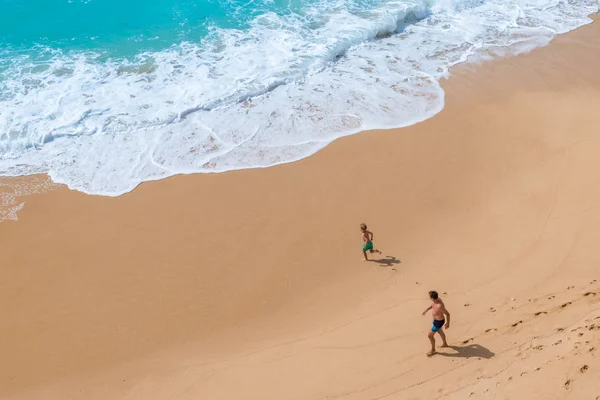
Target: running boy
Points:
(441, 320)
(367, 237)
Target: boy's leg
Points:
(432, 340)
(443, 335)
(365, 254)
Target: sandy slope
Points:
(249, 285)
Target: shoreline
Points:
(111, 165)
(473, 60)
(168, 290)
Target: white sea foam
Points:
(275, 93)
(11, 194)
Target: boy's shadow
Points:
(471, 350)
(387, 261)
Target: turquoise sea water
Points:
(119, 27)
(104, 94)
(124, 28)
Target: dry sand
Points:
(249, 284)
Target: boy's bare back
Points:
(438, 309)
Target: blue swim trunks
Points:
(437, 325)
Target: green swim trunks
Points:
(367, 246)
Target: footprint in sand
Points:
(592, 349)
(539, 347)
(571, 287)
(559, 329)
(467, 341)
(557, 343)
(592, 282)
(536, 369)
(589, 294)
(551, 297)
(540, 313)
(490, 330)
(583, 369)
(565, 304)
(467, 304)
(568, 384)
(580, 334)
(492, 309)
(516, 323)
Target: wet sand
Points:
(250, 284)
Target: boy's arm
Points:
(447, 314)
(427, 309)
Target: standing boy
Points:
(441, 320)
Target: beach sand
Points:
(250, 284)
